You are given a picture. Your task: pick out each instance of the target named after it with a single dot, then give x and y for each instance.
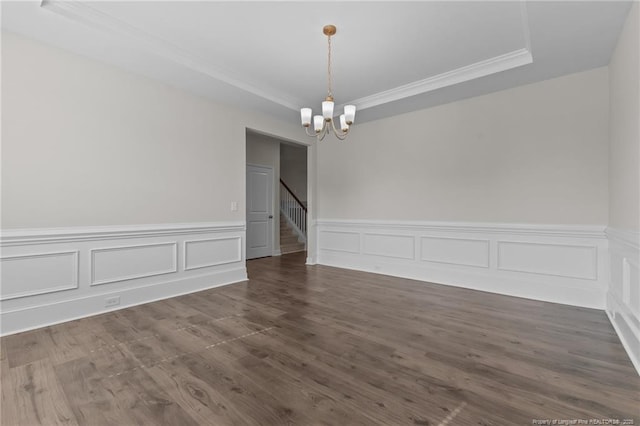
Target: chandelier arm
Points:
(333, 124)
(339, 134)
(306, 129)
(324, 132)
(343, 137)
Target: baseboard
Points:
(627, 333)
(623, 295)
(553, 263)
(549, 291)
(55, 275)
(37, 316)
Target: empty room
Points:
(320, 213)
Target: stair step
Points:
(286, 231)
(289, 240)
(291, 248)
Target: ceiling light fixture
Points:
(322, 124)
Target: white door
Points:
(259, 211)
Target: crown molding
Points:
(80, 12)
(507, 61)
(526, 30)
(484, 68)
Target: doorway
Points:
(293, 198)
(286, 230)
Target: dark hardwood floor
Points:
(300, 345)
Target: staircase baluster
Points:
(293, 210)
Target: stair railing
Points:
(294, 211)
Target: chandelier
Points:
(322, 124)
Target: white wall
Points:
(87, 144)
(624, 152)
(623, 298)
(263, 150)
(534, 154)
(114, 186)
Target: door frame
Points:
(312, 188)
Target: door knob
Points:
(270, 216)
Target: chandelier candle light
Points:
(322, 124)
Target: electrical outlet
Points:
(234, 206)
(111, 301)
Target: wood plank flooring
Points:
(299, 345)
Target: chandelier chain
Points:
(330, 94)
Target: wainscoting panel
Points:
(563, 264)
(561, 260)
(38, 273)
(348, 242)
(623, 296)
(114, 264)
(455, 251)
(400, 246)
(211, 252)
(55, 275)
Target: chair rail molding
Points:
(61, 274)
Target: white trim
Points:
(622, 310)
(173, 269)
(207, 265)
(526, 30)
(631, 238)
(378, 234)
(593, 249)
(475, 240)
(74, 284)
(155, 278)
(13, 321)
(497, 64)
(570, 286)
(81, 12)
(13, 237)
(357, 234)
(613, 307)
(515, 285)
(572, 231)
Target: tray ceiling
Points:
(388, 57)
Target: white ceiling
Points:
(388, 57)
